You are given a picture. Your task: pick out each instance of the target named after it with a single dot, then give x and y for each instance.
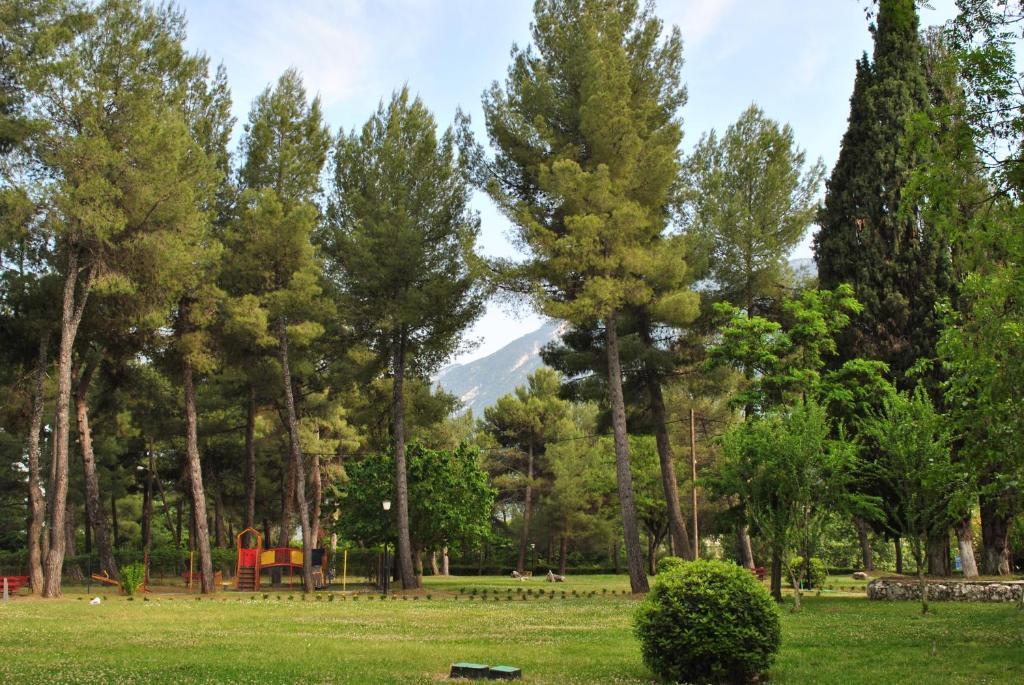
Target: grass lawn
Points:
(580, 639)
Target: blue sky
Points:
(795, 58)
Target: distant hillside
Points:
(481, 382)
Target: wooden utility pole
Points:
(693, 481)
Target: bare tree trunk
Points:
(444, 561)
(195, 477)
(965, 543)
(776, 579)
(36, 503)
(563, 554)
(938, 554)
(418, 560)
(401, 486)
(524, 535)
(677, 526)
(745, 546)
(71, 317)
(434, 570)
(866, 556)
(995, 535)
(624, 475)
(297, 459)
(250, 463)
(898, 544)
(652, 554)
(92, 481)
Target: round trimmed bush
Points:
(708, 622)
(666, 564)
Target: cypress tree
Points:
(872, 233)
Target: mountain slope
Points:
(481, 382)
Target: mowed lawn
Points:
(579, 639)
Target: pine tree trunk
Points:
(101, 535)
(147, 511)
(315, 498)
(866, 556)
(444, 561)
(250, 464)
(434, 570)
(401, 486)
(284, 535)
(563, 554)
(965, 545)
(524, 535)
(36, 502)
(195, 477)
(745, 546)
(297, 458)
(624, 475)
(677, 526)
(114, 525)
(71, 317)
(898, 544)
(220, 534)
(73, 571)
(995, 535)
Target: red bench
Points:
(14, 583)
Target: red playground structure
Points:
(253, 560)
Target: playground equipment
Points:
(253, 560)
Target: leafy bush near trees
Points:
(811, 575)
(132, 577)
(669, 564)
(708, 622)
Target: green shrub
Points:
(813, 577)
(132, 577)
(666, 564)
(708, 622)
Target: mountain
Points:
(481, 382)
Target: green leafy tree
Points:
(914, 462)
(791, 476)
(399, 248)
(587, 135)
(449, 494)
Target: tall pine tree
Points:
(587, 137)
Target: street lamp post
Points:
(387, 568)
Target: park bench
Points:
(14, 583)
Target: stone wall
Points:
(942, 590)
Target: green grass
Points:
(581, 639)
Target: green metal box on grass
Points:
(504, 673)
